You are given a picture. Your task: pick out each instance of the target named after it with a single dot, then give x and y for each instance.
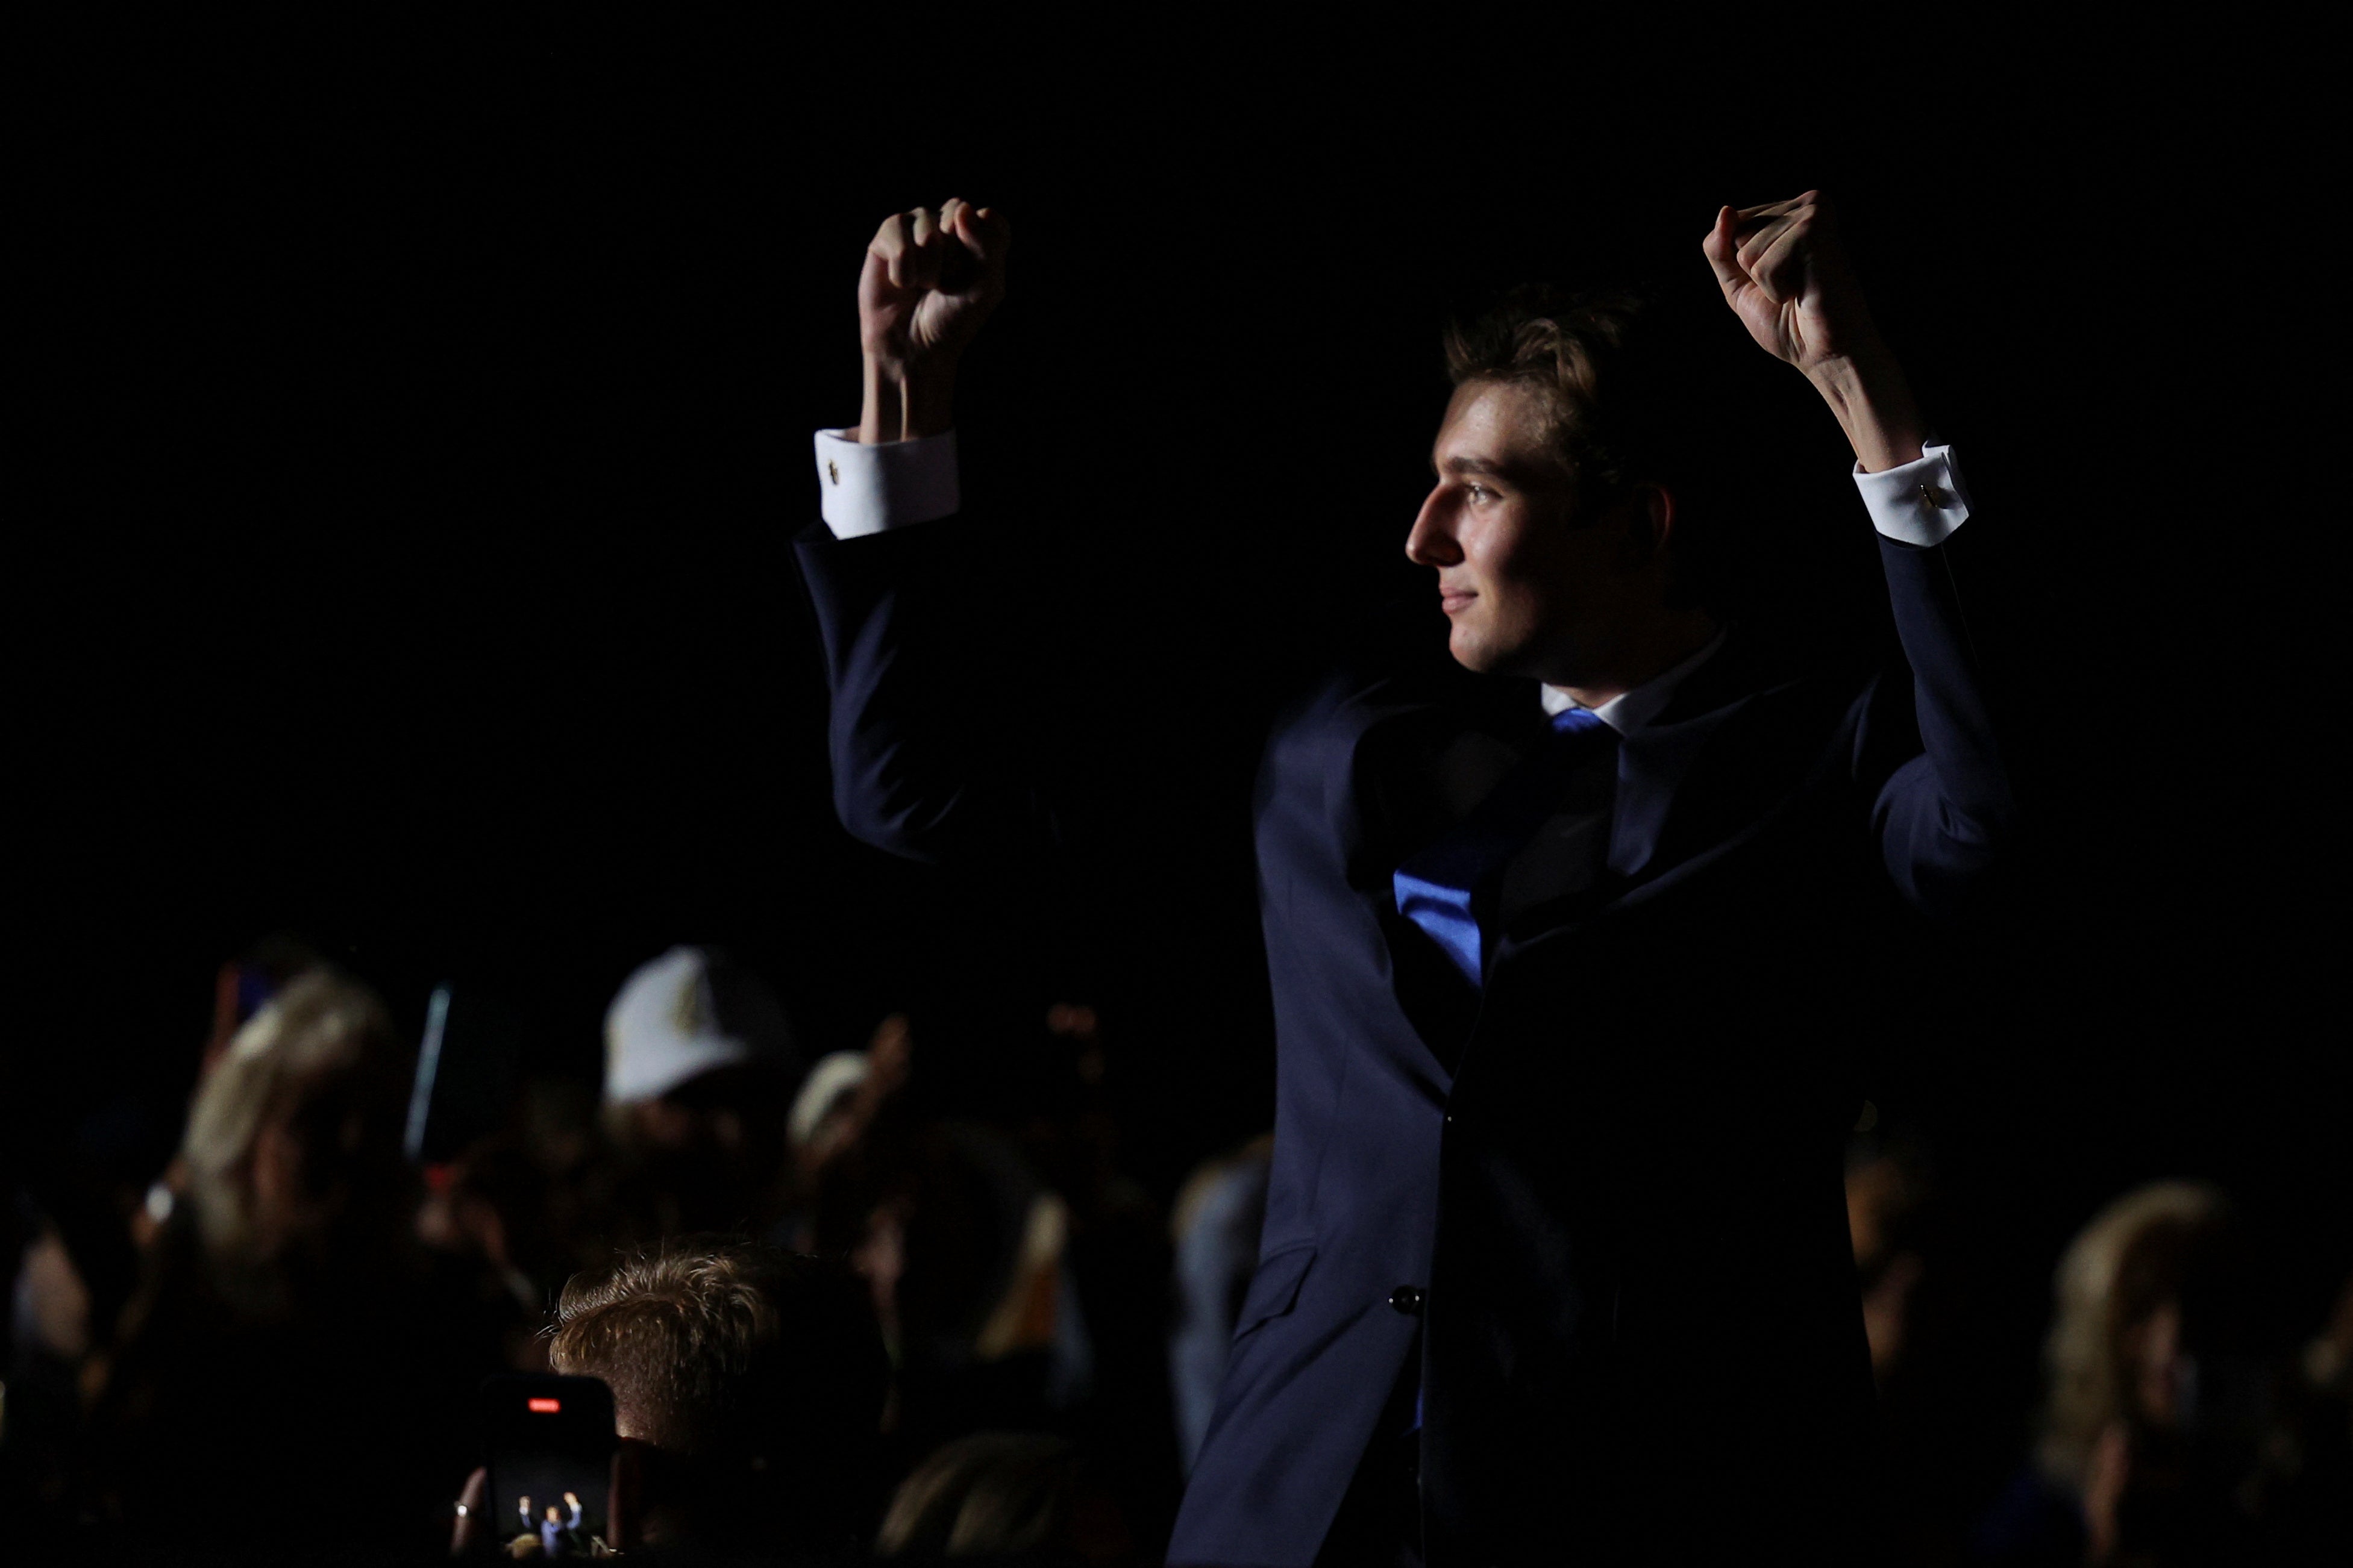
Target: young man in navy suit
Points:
(1569, 1000)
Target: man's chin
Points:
(1480, 656)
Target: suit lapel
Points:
(1696, 775)
(1653, 765)
(1656, 761)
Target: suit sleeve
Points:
(932, 757)
(1941, 812)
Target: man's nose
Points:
(1431, 541)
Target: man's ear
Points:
(1645, 515)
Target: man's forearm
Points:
(904, 405)
(1874, 404)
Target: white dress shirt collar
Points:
(1629, 710)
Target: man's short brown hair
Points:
(722, 1348)
(1629, 397)
(756, 1378)
(1570, 351)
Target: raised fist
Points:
(1786, 276)
(930, 279)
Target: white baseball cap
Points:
(682, 1015)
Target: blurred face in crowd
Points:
(667, 1124)
(2155, 1365)
(1535, 579)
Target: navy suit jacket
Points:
(1611, 1179)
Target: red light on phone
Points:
(544, 1406)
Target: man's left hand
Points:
(1786, 276)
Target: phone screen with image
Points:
(551, 1453)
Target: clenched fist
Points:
(1785, 274)
(930, 279)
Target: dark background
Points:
(420, 416)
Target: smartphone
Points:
(551, 1445)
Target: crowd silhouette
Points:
(844, 1318)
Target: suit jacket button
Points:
(1407, 1298)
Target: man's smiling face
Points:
(1523, 576)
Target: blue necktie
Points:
(1440, 889)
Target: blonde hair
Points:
(991, 1494)
(2106, 1282)
(318, 1059)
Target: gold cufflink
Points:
(1933, 498)
(833, 471)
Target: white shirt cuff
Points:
(867, 490)
(1917, 502)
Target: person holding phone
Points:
(744, 1387)
(1574, 951)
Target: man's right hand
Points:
(930, 279)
